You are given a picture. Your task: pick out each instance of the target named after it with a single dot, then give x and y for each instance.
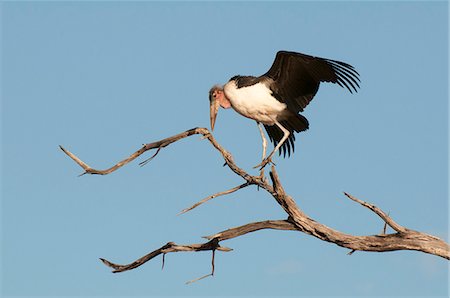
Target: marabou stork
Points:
(276, 98)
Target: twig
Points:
(380, 213)
(76, 159)
(207, 275)
(143, 163)
(197, 279)
(385, 227)
(215, 196)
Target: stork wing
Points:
(295, 78)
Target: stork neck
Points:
(224, 102)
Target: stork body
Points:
(254, 101)
(276, 98)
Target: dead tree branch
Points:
(388, 221)
(402, 239)
(215, 196)
(212, 244)
(165, 249)
(155, 145)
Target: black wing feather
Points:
(294, 79)
(275, 135)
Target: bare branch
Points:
(212, 244)
(252, 227)
(215, 196)
(380, 213)
(168, 248)
(155, 145)
(403, 239)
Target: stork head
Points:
(217, 98)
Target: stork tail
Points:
(294, 123)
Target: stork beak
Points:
(213, 109)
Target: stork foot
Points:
(264, 163)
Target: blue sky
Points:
(102, 78)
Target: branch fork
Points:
(297, 220)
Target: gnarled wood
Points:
(402, 239)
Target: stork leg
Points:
(286, 134)
(264, 145)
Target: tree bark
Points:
(402, 239)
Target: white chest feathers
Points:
(254, 102)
